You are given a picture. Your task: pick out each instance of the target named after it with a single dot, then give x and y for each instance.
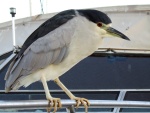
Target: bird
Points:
(55, 47)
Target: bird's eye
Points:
(99, 24)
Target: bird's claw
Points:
(82, 101)
(54, 103)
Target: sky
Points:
(26, 8)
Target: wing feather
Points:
(49, 49)
(12, 66)
(61, 55)
(55, 56)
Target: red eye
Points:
(99, 24)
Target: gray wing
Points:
(50, 49)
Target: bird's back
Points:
(48, 26)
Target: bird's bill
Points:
(116, 33)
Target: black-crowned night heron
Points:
(55, 47)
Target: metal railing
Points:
(43, 104)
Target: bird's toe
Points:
(82, 101)
(54, 103)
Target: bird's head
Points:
(103, 22)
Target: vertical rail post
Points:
(30, 7)
(13, 31)
(120, 98)
(13, 12)
(70, 109)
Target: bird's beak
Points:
(116, 33)
(111, 32)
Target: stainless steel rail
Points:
(43, 104)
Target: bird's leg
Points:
(79, 100)
(53, 102)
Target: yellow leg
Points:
(53, 102)
(79, 100)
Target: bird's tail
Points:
(7, 89)
(12, 74)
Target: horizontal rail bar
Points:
(75, 90)
(124, 49)
(43, 104)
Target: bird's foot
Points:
(82, 101)
(54, 103)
